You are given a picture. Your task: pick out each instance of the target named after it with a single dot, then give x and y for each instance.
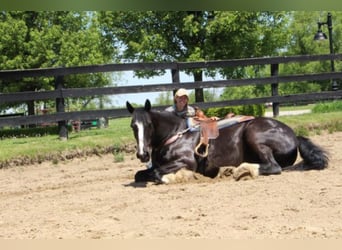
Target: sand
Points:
(96, 198)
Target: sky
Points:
(128, 79)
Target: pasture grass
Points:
(314, 123)
(117, 138)
(325, 107)
(295, 107)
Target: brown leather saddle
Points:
(209, 129)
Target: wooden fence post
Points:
(199, 95)
(274, 86)
(60, 107)
(175, 78)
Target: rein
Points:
(175, 137)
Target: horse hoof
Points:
(182, 175)
(145, 176)
(246, 171)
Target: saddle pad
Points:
(194, 125)
(234, 120)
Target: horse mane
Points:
(169, 117)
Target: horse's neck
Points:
(166, 125)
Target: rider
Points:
(181, 107)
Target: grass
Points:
(324, 116)
(118, 136)
(294, 107)
(314, 123)
(118, 133)
(325, 107)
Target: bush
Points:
(325, 107)
(30, 132)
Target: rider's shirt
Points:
(188, 111)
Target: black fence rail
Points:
(60, 93)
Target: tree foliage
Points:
(300, 28)
(187, 36)
(195, 35)
(32, 39)
(303, 27)
(52, 39)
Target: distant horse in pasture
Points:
(263, 145)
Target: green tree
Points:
(52, 39)
(303, 27)
(185, 36)
(164, 98)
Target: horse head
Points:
(142, 127)
(153, 128)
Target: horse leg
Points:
(182, 175)
(209, 170)
(268, 164)
(147, 175)
(245, 171)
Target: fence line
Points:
(63, 71)
(80, 92)
(60, 93)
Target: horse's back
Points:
(268, 130)
(246, 141)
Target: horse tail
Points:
(314, 157)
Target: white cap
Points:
(181, 92)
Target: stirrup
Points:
(205, 154)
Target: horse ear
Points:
(130, 108)
(147, 105)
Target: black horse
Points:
(166, 140)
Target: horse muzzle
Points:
(145, 157)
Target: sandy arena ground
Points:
(96, 198)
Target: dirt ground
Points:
(96, 198)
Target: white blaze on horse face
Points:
(140, 127)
